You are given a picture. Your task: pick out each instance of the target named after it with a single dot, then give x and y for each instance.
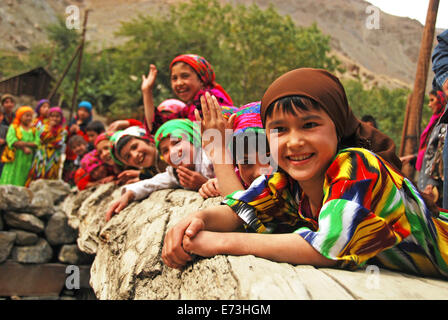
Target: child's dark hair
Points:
(96, 126)
(247, 143)
(75, 140)
(290, 104)
(369, 118)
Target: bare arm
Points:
(218, 151)
(221, 218)
(148, 100)
(289, 247)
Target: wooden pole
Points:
(78, 69)
(410, 139)
(67, 68)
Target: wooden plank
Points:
(320, 286)
(388, 285)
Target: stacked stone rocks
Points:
(33, 228)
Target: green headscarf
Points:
(179, 128)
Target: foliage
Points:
(247, 46)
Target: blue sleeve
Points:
(440, 60)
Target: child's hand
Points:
(74, 128)
(2, 141)
(190, 179)
(27, 150)
(117, 125)
(148, 82)
(204, 243)
(119, 205)
(128, 176)
(214, 120)
(173, 253)
(210, 189)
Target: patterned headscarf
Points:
(179, 128)
(20, 112)
(204, 70)
(171, 105)
(91, 161)
(101, 137)
(248, 118)
(324, 88)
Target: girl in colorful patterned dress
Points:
(338, 199)
(47, 160)
(42, 108)
(24, 139)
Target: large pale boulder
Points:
(128, 262)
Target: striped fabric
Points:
(370, 214)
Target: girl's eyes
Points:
(310, 125)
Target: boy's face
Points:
(307, 143)
(103, 149)
(185, 81)
(8, 105)
(92, 135)
(177, 152)
(80, 149)
(98, 173)
(83, 113)
(138, 154)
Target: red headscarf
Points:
(204, 70)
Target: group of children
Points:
(308, 181)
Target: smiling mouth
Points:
(297, 158)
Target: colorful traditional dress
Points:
(47, 162)
(16, 172)
(370, 214)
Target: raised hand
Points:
(214, 127)
(149, 81)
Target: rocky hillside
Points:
(387, 55)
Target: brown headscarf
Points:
(326, 89)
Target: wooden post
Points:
(410, 140)
(67, 68)
(78, 69)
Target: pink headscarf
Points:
(171, 105)
(91, 161)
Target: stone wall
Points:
(128, 261)
(34, 235)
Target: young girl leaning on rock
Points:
(178, 143)
(337, 200)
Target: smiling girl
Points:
(24, 139)
(338, 199)
(191, 76)
(178, 141)
(47, 161)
